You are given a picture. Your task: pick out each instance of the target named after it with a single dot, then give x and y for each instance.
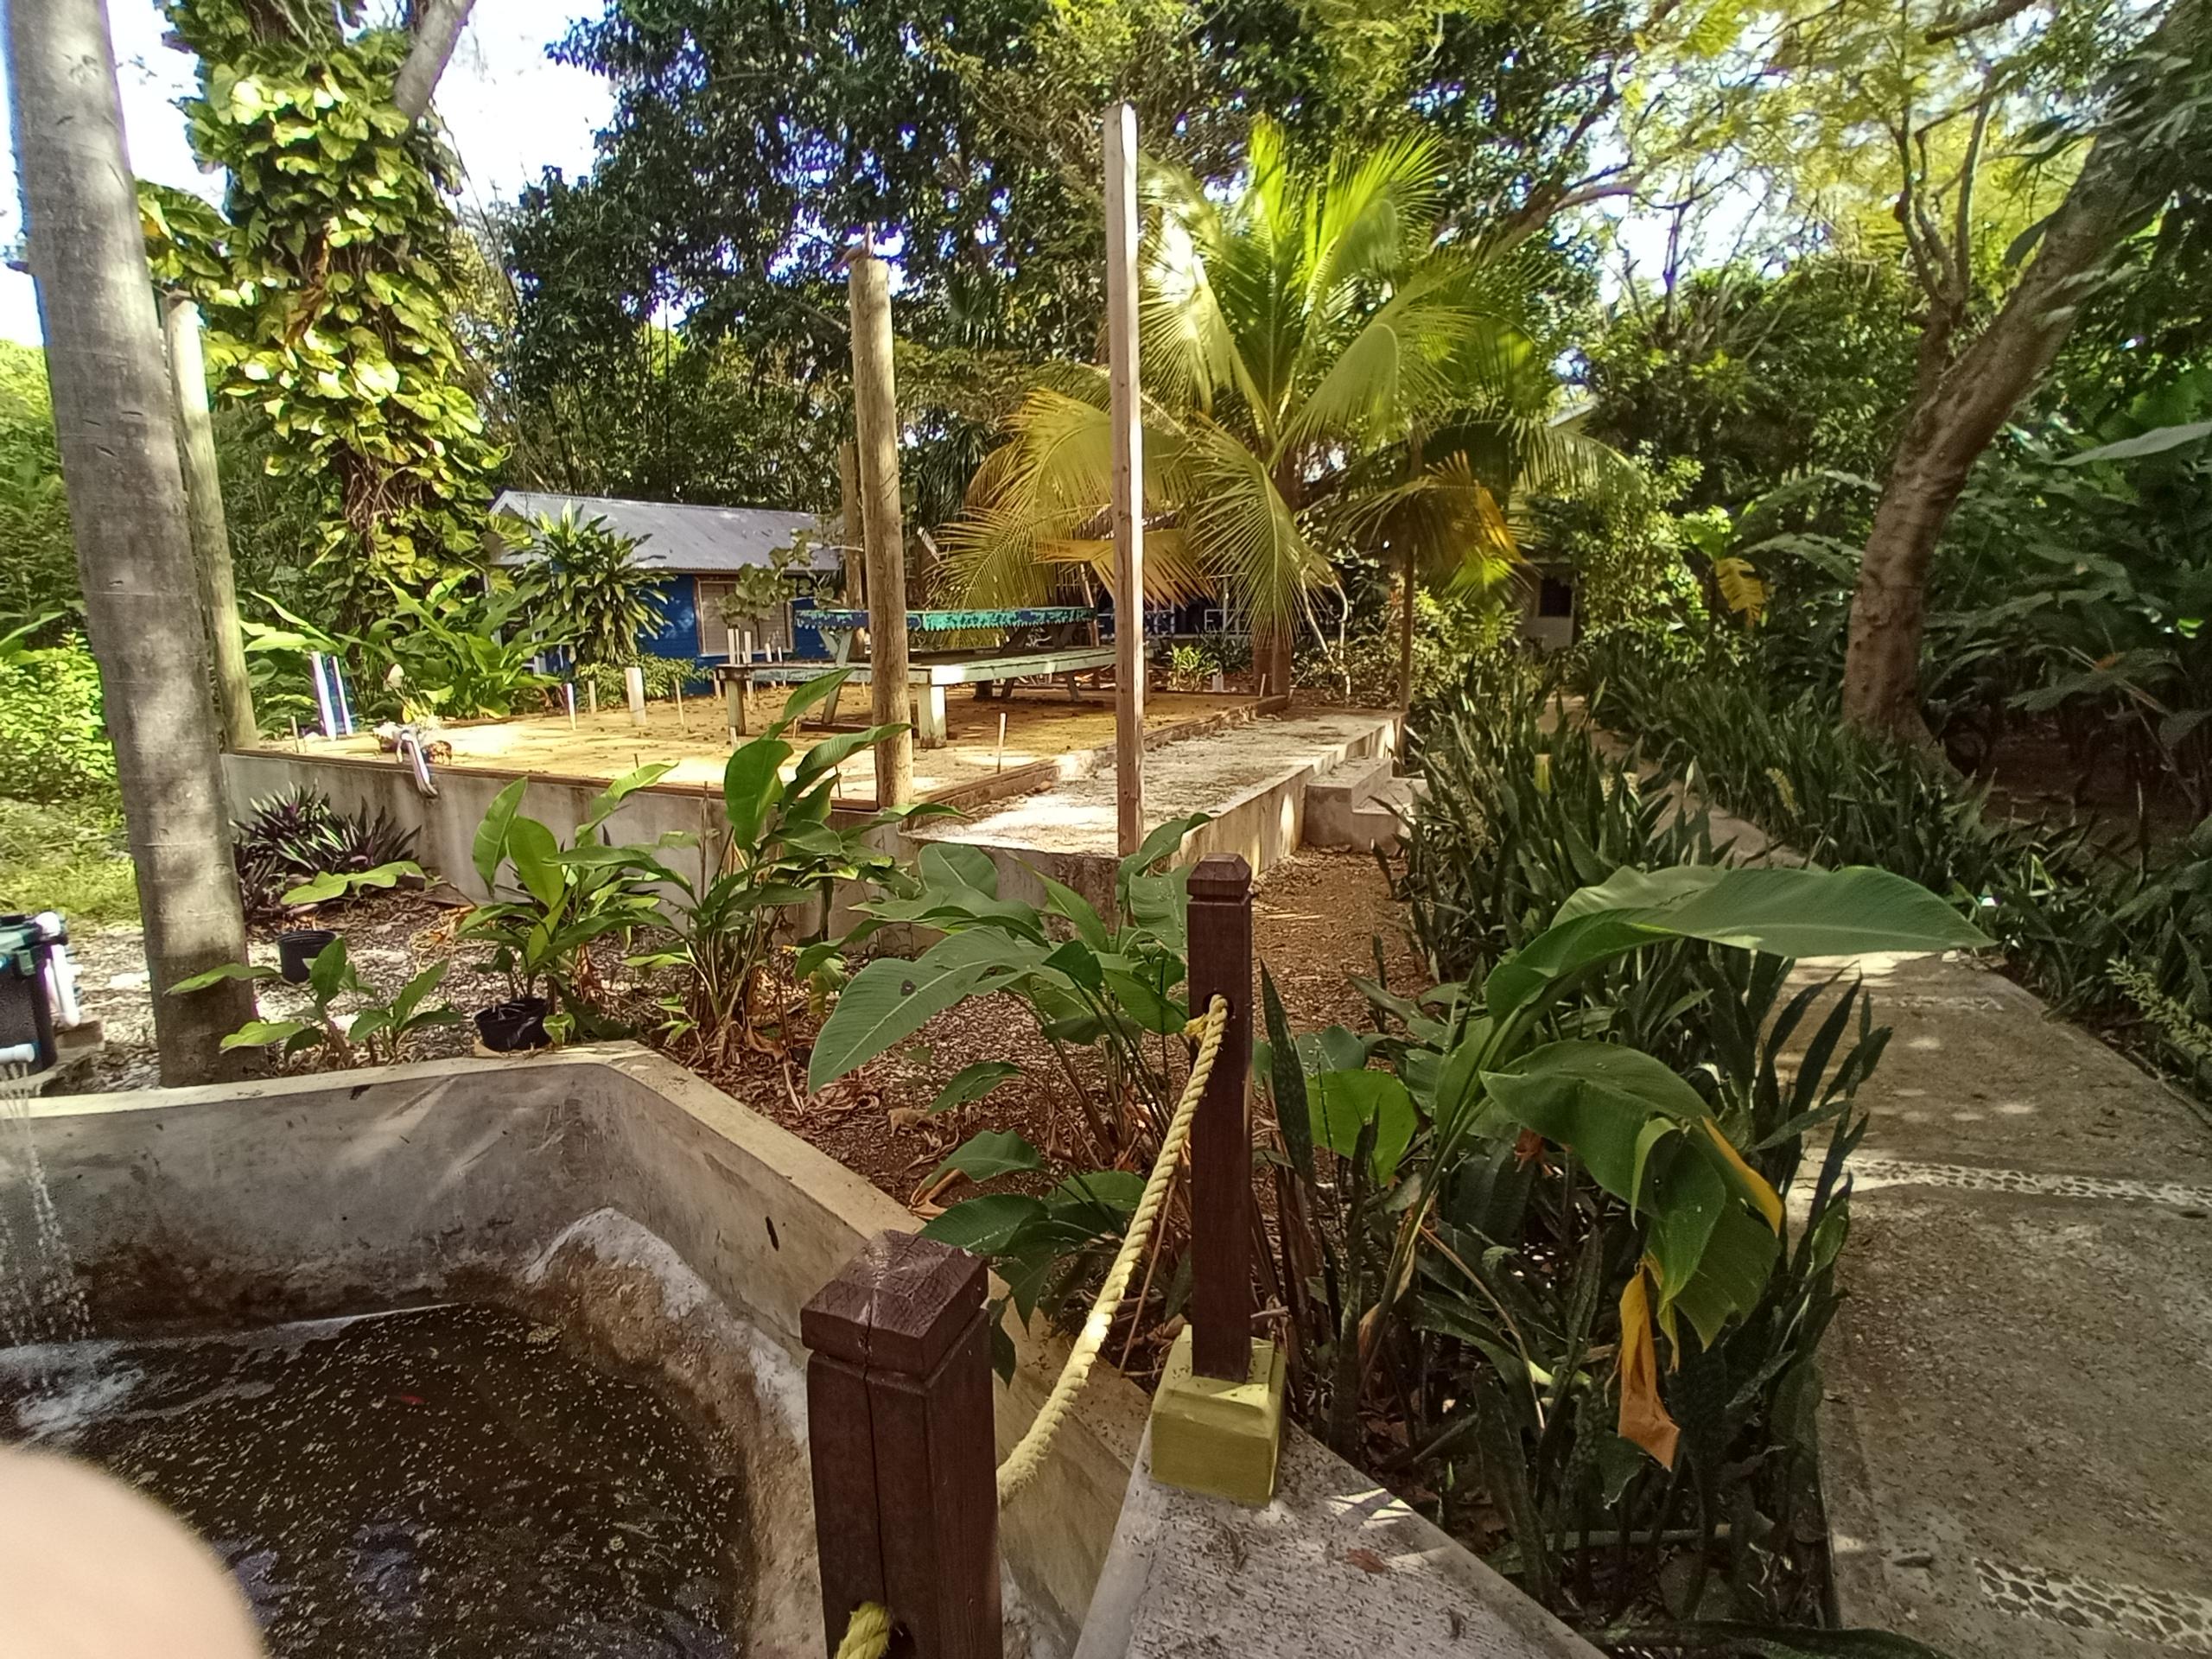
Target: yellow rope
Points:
(867, 1633)
(1023, 1463)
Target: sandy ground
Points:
(1041, 725)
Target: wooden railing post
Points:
(899, 1431)
(1221, 1135)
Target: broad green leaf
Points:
(331, 971)
(749, 784)
(1064, 900)
(317, 890)
(1286, 1083)
(957, 864)
(216, 975)
(1595, 1099)
(1684, 1196)
(1731, 1272)
(537, 858)
(832, 750)
(991, 1152)
(1165, 841)
(1116, 1190)
(1079, 963)
(972, 1082)
(266, 1033)
(1345, 1103)
(814, 692)
(986, 1224)
(2153, 442)
(490, 846)
(1144, 1004)
(890, 999)
(603, 803)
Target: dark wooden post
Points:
(1221, 1136)
(899, 1429)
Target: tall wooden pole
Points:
(115, 420)
(1128, 473)
(875, 408)
(855, 539)
(210, 535)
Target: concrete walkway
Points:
(2018, 1437)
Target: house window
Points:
(772, 631)
(1555, 597)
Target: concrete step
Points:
(1358, 806)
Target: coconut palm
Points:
(1323, 369)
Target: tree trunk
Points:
(2129, 172)
(437, 28)
(117, 429)
(210, 535)
(875, 411)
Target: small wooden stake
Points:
(1002, 766)
(568, 694)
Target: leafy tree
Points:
(1755, 375)
(591, 589)
(1321, 369)
(328, 278)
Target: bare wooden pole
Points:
(899, 1432)
(1221, 1135)
(875, 408)
(1128, 473)
(210, 535)
(855, 539)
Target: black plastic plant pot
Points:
(297, 949)
(511, 1027)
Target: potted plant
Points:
(298, 948)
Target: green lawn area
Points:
(67, 857)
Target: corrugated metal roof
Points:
(678, 536)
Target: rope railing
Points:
(867, 1634)
(1023, 1464)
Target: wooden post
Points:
(876, 412)
(210, 535)
(900, 1434)
(1128, 505)
(1221, 1135)
(855, 537)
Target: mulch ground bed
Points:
(1314, 918)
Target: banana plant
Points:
(561, 898)
(1511, 1071)
(776, 851)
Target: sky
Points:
(509, 111)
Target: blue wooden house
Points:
(701, 550)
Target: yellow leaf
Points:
(1644, 1416)
(1740, 587)
(1754, 1184)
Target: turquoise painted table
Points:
(1046, 641)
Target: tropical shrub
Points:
(586, 587)
(298, 834)
(563, 898)
(374, 1033)
(775, 854)
(69, 856)
(53, 741)
(39, 576)
(664, 677)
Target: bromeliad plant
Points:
(563, 899)
(775, 854)
(375, 1034)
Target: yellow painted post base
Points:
(1217, 1437)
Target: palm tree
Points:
(1323, 369)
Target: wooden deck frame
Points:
(928, 679)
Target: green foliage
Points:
(560, 899)
(586, 585)
(68, 856)
(664, 677)
(39, 576)
(775, 856)
(299, 835)
(53, 741)
(376, 1032)
(328, 282)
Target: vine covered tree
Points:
(329, 278)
